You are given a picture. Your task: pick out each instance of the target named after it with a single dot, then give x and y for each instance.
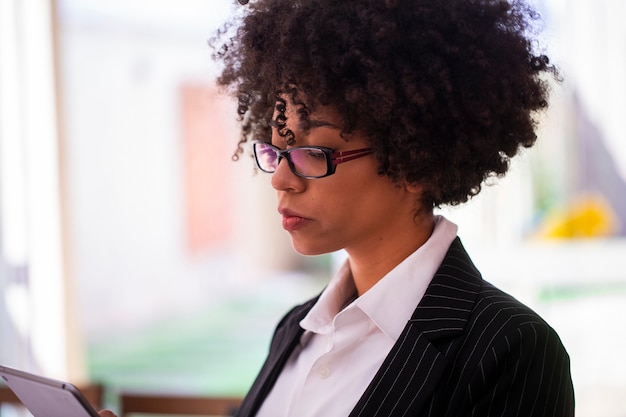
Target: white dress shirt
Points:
(343, 346)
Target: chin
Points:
(310, 248)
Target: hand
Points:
(106, 413)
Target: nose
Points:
(285, 180)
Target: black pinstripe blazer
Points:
(468, 350)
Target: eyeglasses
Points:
(304, 161)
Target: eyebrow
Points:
(321, 123)
(311, 122)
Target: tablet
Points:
(45, 397)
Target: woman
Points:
(369, 114)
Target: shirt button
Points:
(323, 372)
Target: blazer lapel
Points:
(284, 341)
(409, 375)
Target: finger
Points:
(106, 413)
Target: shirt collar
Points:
(392, 300)
(339, 292)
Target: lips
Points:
(292, 221)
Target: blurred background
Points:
(135, 253)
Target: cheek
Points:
(347, 204)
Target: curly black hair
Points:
(446, 90)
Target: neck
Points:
(371, 262)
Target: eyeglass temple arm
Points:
(339, 157)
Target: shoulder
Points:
(498, 316)
(498, 309)
(507, 357)
(498, 323)
(507, 346)
(490, 311)
(493, 320)
(510, 349)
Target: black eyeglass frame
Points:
(332, 158)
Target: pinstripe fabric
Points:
(468, 350)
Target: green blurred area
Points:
(573, 291)
(214, 351)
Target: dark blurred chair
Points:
(7, 396)
(197, 405)
(94, 393)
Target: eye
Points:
(269, 154)
(315, 154)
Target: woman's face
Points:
(354, 209)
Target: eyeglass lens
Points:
(304, 161)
